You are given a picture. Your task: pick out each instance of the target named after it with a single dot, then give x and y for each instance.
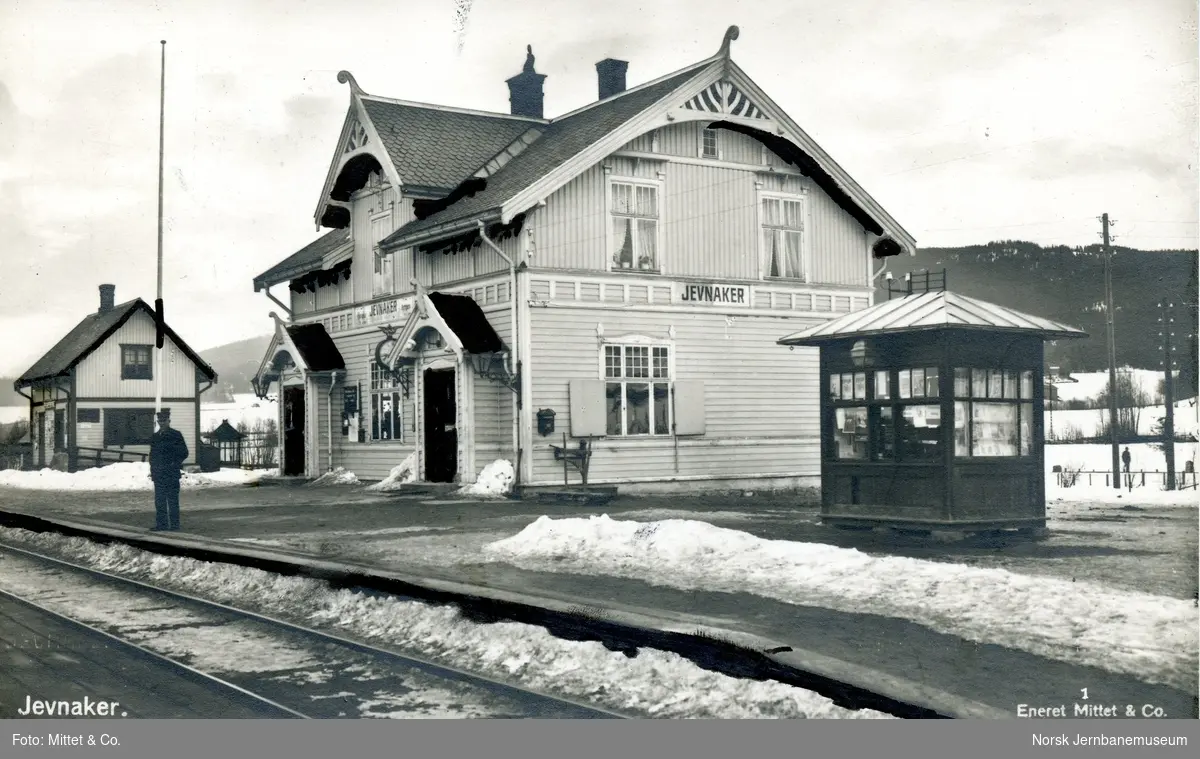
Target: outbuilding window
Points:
(637, 389)
(135, 362)
(128, 426)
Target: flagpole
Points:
(158, 302)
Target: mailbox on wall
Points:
(545, 421)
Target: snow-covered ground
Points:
(1097, 457)
(1152, 637)
(132, 476)
(654, 683)
(246, 407)
(1089, 385)
(1061, 423)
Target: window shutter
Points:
(587, 408)
(689, 408)
(113, 419)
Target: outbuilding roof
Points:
(930, 311)
(89, 334)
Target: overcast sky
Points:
(969, 121)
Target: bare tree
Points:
(1131, 399)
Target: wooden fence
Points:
(1141, 478)
(255, 450)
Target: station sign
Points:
(713, 294)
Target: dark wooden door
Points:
(293, 431)
(441, 435)
(39, 435)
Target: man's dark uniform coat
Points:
(168, 451)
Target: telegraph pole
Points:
(1112, 360)
(1167, 320)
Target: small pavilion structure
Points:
(228, 441)
(931, 414)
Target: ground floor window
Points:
(387, 421)
(637, 390)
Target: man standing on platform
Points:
(168, 451)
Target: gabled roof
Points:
(89, 334)
(437, 148)
(561, 140)
(307, 259)
(929, 311)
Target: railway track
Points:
(572, 624)
(286, 669)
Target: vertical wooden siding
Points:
(99, 375)
(761, 399)
(183, 418)
(569, 232)
(710, 222)
(709, 217)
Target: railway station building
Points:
(506, 285)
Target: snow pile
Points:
(653, 684)
(123, 476)
(338, 476)
(494, 481)
(1151, 637)
(400, 475)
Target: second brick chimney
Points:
(610, 74)
(525, 89)
(108, 294)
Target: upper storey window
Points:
(634, 208)
(784, 250)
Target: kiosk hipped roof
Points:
(930, 311)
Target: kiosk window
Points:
(993, 413)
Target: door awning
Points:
(307, 348)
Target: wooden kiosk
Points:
(931, 414)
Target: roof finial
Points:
(731, 34)
(346, 76)
(529, 59)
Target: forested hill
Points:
(1067, 284)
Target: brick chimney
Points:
(525, 89)
(108, 295)
(610, 74)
